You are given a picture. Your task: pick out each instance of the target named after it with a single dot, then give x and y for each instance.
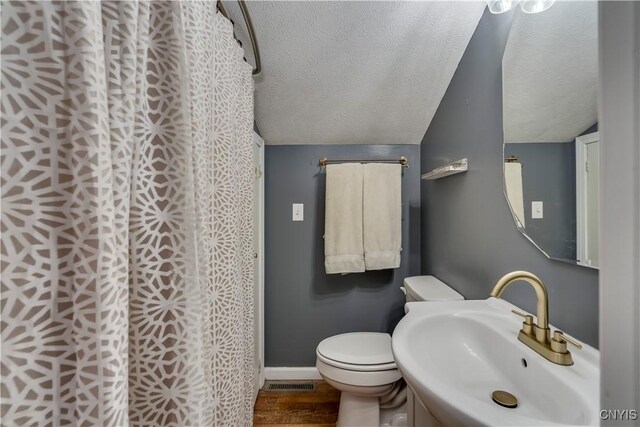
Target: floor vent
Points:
(292, 386)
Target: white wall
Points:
(620, 207)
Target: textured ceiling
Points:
(354, 72)
(550, 72)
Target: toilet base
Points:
(365, 411)
(358, 411)
(394, 417)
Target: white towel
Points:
(382, 216)
(513, 186)
(343, 244)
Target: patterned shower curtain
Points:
(126, 289)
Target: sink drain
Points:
(504, 398)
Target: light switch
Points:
(536, 210)
(298, 211)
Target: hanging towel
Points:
(513, 186)
(382, 216)
(343, 244)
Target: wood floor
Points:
(315, 408)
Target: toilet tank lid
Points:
(429, 288)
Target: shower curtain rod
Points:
(402, 160)
(250, 30)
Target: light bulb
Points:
(501, 6)
(536, 6)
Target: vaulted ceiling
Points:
(354, 72)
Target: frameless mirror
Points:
(551, 142)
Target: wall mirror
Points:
(551, 142)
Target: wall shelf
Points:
(452, 168)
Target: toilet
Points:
(361, 365)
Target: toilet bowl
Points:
(361, 366)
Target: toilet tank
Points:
(428, 288)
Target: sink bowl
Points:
(454, 355)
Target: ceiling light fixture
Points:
(501, 6)
(527, 6)
(536, 6)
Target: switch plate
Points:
(536, 210)
(297, 211)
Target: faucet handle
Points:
(527, 325)
(561, 337)
(528, 319)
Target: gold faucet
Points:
(537, 336)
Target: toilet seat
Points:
(352, 367)
(358, 351)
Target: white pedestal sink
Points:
(455, 354)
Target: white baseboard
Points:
(297, 373)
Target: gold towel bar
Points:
(402, 160)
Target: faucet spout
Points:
(542, 328)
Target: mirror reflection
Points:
(551, 141)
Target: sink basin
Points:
(454, 355)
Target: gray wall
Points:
(549, 176)
(303, 305)
(469, 239)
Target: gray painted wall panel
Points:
(303, 305)
(549, 176)
(469, 239)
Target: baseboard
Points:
(297, 373)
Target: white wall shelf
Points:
(452, 168)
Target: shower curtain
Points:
(126, 289)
